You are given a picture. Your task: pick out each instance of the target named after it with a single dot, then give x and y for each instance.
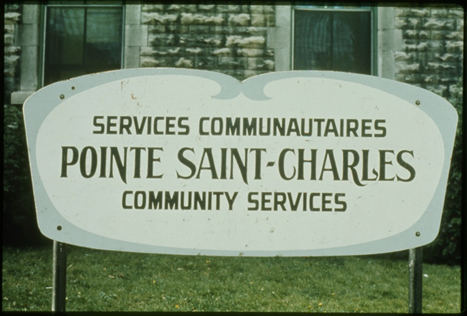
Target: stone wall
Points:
(12, 51)
(226, 38)
(432, 50)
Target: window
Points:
(332, 38)
(81, 39)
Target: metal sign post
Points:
(59, 277)
(415, 280)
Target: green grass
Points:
(116, 281)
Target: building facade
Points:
(53, 41)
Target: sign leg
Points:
(59, 277)
(415, 280)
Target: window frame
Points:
(43, 31)
(373, 31)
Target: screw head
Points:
(59, 227)
(417, 102)
(62, 96)
(418, 234)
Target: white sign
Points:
(181, 161)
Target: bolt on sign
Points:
(179, 161)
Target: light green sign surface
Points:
(179, 161)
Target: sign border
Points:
(438, 109)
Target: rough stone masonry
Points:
(11, 51)
(227, 38)
(432, 51)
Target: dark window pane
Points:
(103, 43)
(80, 41)
(332, 40)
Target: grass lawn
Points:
(116, 281)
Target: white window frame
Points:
(44, 32)
(337, 9)
(31, 28)
(386, 40)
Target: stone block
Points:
(189, 8)
(8, 39)
(11, 17)
(386, 18)
(9, 28)
(402, 56)
(415, 34)
(212, 41)
(152, 7)
(456, 90)
(222, 52)
(456, 13)
(260, 63)
(206, 7)
(401, 23)
(230, 62)
(242, 19)
(155, 17)
(132, 57)
(253, 41)
(11, 6)
(417, 47)
(257, 31)
(136, 35)
(11, 50)
(184, 63)
(177, 28)
(419, 12)
(447, 57)
(437, 24)
(226, 8)
(173, 7)
(390, 40)
(439, 13)
(250, 52)
(208, 29)
(454, 46)
(19, 97)
(10, 62)
(29, 34)
(430, 79)
(160, 28)
(189, 18)
(133, 14)
(402, 12)
(204, 62)
(31, 14)
(162, 40)
(173, 51)
(258, 20)
(439, 66)
(29, 71)
(414, 22)
(150, 51)
(149, 62)
(194, 50)
(257, 9)
(403, 67)
(459, 25)
(270, 20)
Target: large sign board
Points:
(181, 161)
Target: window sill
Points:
(19, 97)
